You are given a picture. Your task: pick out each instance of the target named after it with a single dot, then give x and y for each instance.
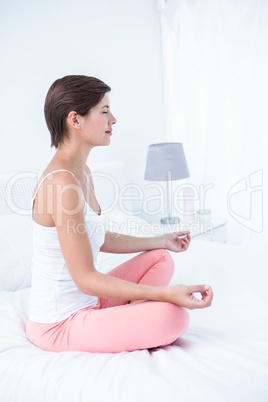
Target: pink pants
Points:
(114, 325)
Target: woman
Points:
(73, 306)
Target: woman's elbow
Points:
(87, 284)
(106, 246)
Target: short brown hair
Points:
(77, 93)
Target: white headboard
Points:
(16, 190)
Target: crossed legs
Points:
(114, 325)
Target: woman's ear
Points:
(73, 120)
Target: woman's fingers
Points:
(207, 297)
(183, 233)
(206, 293)
(198, 288)
(186, 240)
(183, 296)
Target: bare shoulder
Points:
(67, 193)
(59, 195)
(58, 180)
(64, 178)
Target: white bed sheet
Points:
(222, 357)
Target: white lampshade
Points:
(166, 161)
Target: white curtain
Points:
(215, 66)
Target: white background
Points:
(117, 41)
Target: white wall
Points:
(117, 41)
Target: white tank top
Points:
(54, 295)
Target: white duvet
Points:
(222, 357)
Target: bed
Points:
(223, 356)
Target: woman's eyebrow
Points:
(104, 106)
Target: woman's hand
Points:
(183, 296)
(175, 242)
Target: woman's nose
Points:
(113, 120)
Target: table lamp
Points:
(166, 162)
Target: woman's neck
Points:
(71, 158)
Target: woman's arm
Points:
(101, 285)
(119, 243)
(68, 216)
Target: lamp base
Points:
(204, 212)
(170, 220)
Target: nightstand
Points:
(209, 229)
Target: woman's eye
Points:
(104, 112)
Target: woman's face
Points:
(97, 124)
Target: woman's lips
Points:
(109, 132)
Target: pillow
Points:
(16, 190)
(16, 250)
